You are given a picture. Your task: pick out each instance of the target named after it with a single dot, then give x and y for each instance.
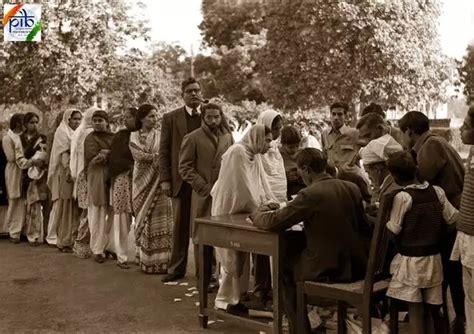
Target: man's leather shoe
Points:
(172, 277)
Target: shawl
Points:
(77, 144)
(121, 159)
(96, 142)
(146, 180)
(98, 191)
(61, 144)
(242, 184)
(272, 161)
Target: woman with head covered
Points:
(64, 215)
(241, 187)
(81, 245)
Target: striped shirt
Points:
(466, 211)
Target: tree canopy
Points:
(81, 58)
(466, 73)
(327, 50)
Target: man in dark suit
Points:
(175, 125)
(199, 165)
(331, 248)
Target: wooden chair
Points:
(360, 294)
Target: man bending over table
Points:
(331, 247)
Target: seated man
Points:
(331, 248)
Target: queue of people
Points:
(323, 200)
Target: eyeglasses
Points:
(190, 91)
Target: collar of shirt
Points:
(424, 185)
(343, 129)
(190, 110)
(419, 143)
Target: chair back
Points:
(380, 253)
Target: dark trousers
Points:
(181, 228)
(263, 276)
(294, 242)
(452, 273)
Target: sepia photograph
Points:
(237, 166)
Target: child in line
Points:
(418, 213)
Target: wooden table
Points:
(235, 232)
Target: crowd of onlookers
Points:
(81, 186)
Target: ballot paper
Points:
(177, 300)
(171, 283)
(192, 288)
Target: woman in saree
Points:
(81, 245)
(241, 187)
(97, 148)
(34, 142)
(64, 213)
(153, 215)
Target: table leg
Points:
(277, 300)
(202, 286)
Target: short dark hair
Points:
(143, 112)
(416, 121)
(187, 82)
(373, 108)
(29, 116)
(341, 105)
(312, 158)
(371, 120)
(290, 135)
(402, 166)
(16, 120)
(210, 106)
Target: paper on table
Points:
(184, 283)
(177, 299)
(192, 288)
(189, 294)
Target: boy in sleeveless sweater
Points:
(463, 249)
(418, 213)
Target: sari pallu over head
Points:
(61, 143)
(272, 161)
(242, 184)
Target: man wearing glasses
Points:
(175, 125)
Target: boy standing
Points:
(417, 216)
